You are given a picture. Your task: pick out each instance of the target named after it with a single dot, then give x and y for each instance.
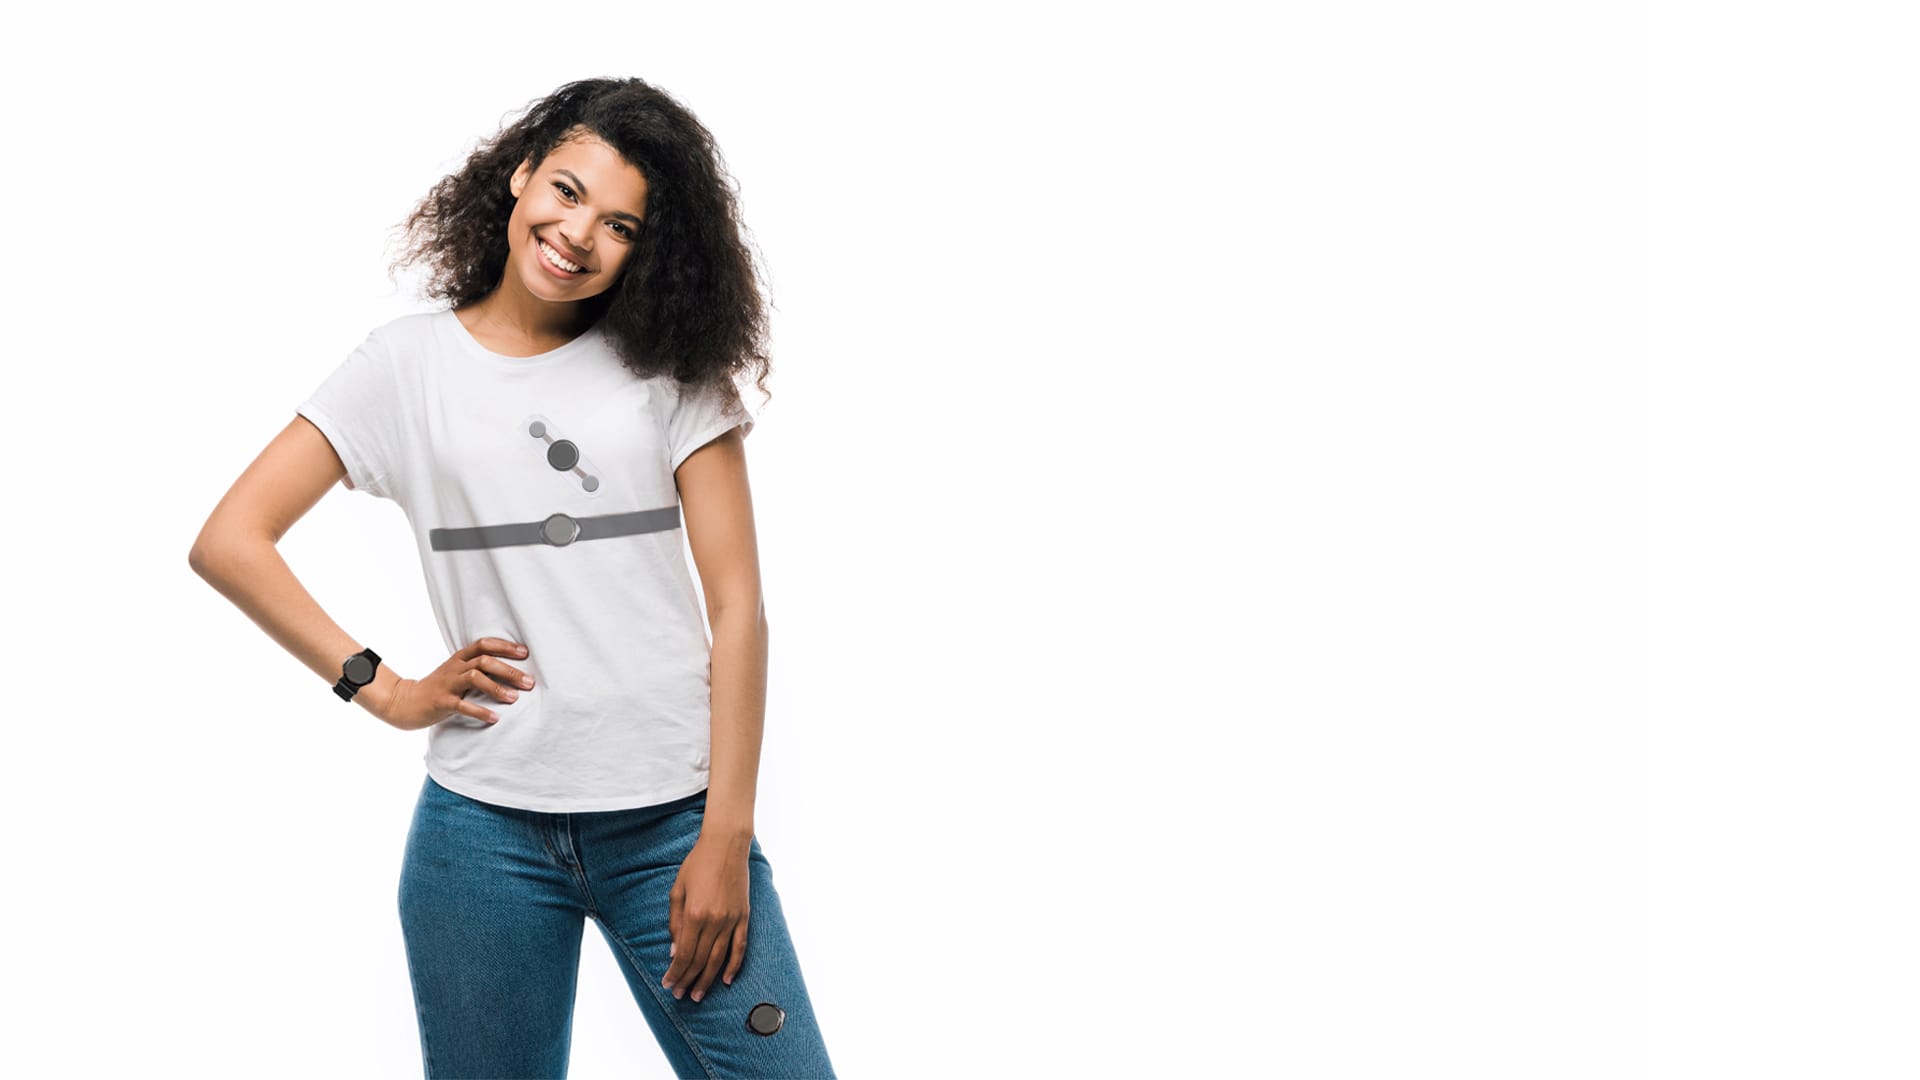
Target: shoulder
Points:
(405, 338)
(413, 326)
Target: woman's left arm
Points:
(708, 906)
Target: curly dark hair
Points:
(688, 303)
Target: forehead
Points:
(599, 165)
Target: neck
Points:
(516, 315)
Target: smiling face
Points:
(586, 203)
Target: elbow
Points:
(205, 550)
(197, 559)
(753, 616)
(205, 562)
(209, 553)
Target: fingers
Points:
(516, 679)
(703, 944)
(683, 939)
(412, 704)
(702, 952)
(680, 971)
(479, 680)
(505, 672)
(739, 952)
(716, 960)
(497, 645)
(676, 904)
(479, 664)
(454, 703)
(457, 702)
(485, 645)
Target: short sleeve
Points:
(357, 409)
(699, 417)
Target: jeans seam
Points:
(593, 903)
(666, 1004)
(579, 869)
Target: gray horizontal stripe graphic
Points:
(559, 530)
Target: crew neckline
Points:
(472, 344)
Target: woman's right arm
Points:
(237, 553)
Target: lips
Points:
(557, 250)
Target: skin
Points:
(583, 200)
(575, 199)
(708, 910)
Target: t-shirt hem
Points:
(583, 805)
(359, 477)
(708, 434)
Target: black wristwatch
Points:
(356, 671)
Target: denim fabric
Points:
(493, 903)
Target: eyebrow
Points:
(583, 191)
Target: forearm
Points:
(251, 573)
(739, 681)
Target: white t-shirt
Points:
(464, 438)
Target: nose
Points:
(568, 231)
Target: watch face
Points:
(358, 670)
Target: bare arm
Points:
(717, 507)
(237, 553)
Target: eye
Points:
(624, 230)
(564, 189)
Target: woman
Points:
(550, 434)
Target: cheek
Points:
(517, 228)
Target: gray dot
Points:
(563, 455)
(537, 429)
(765, 1019)
(591, 483)
(559, 530)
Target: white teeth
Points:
(553, 257)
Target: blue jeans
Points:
(493, 902)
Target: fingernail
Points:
(697, 993)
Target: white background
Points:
(1319, 540)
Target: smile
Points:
(552, 258)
